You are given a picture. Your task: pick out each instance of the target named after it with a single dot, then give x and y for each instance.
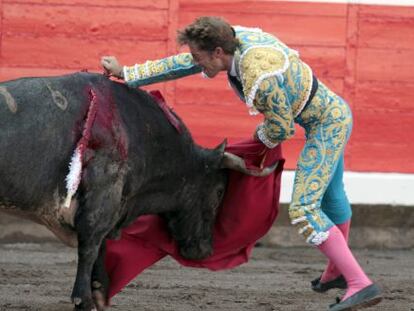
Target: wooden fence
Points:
(363, 52)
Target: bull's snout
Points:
(196, 250)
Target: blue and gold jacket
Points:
(270, 79)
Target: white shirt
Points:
(233, 71)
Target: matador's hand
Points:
(112, 67)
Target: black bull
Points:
(135, 163)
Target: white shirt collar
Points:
(233, 71)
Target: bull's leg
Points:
(87, 254)
(100, 280)
(97, 214)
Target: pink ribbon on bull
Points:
(75, 167)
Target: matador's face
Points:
(210, 62)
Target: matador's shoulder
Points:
(261, 55)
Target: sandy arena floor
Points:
(40, 277)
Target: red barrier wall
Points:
(365, 53)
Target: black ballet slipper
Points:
(367, 297)
(320, 287)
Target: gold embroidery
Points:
(302, 86)
(163, 68)
(259, 61)
(296, 213)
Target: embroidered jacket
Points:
(271, 79)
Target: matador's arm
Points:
(165, 69)
(272, 102)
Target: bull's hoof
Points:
(99, 299)
(83, 304)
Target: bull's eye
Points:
(220, 193)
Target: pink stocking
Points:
(336, 249)
(331, 272)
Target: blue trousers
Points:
(335, 203)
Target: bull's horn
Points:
(221, 147)
(233, 162)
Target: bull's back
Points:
(40, 120)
